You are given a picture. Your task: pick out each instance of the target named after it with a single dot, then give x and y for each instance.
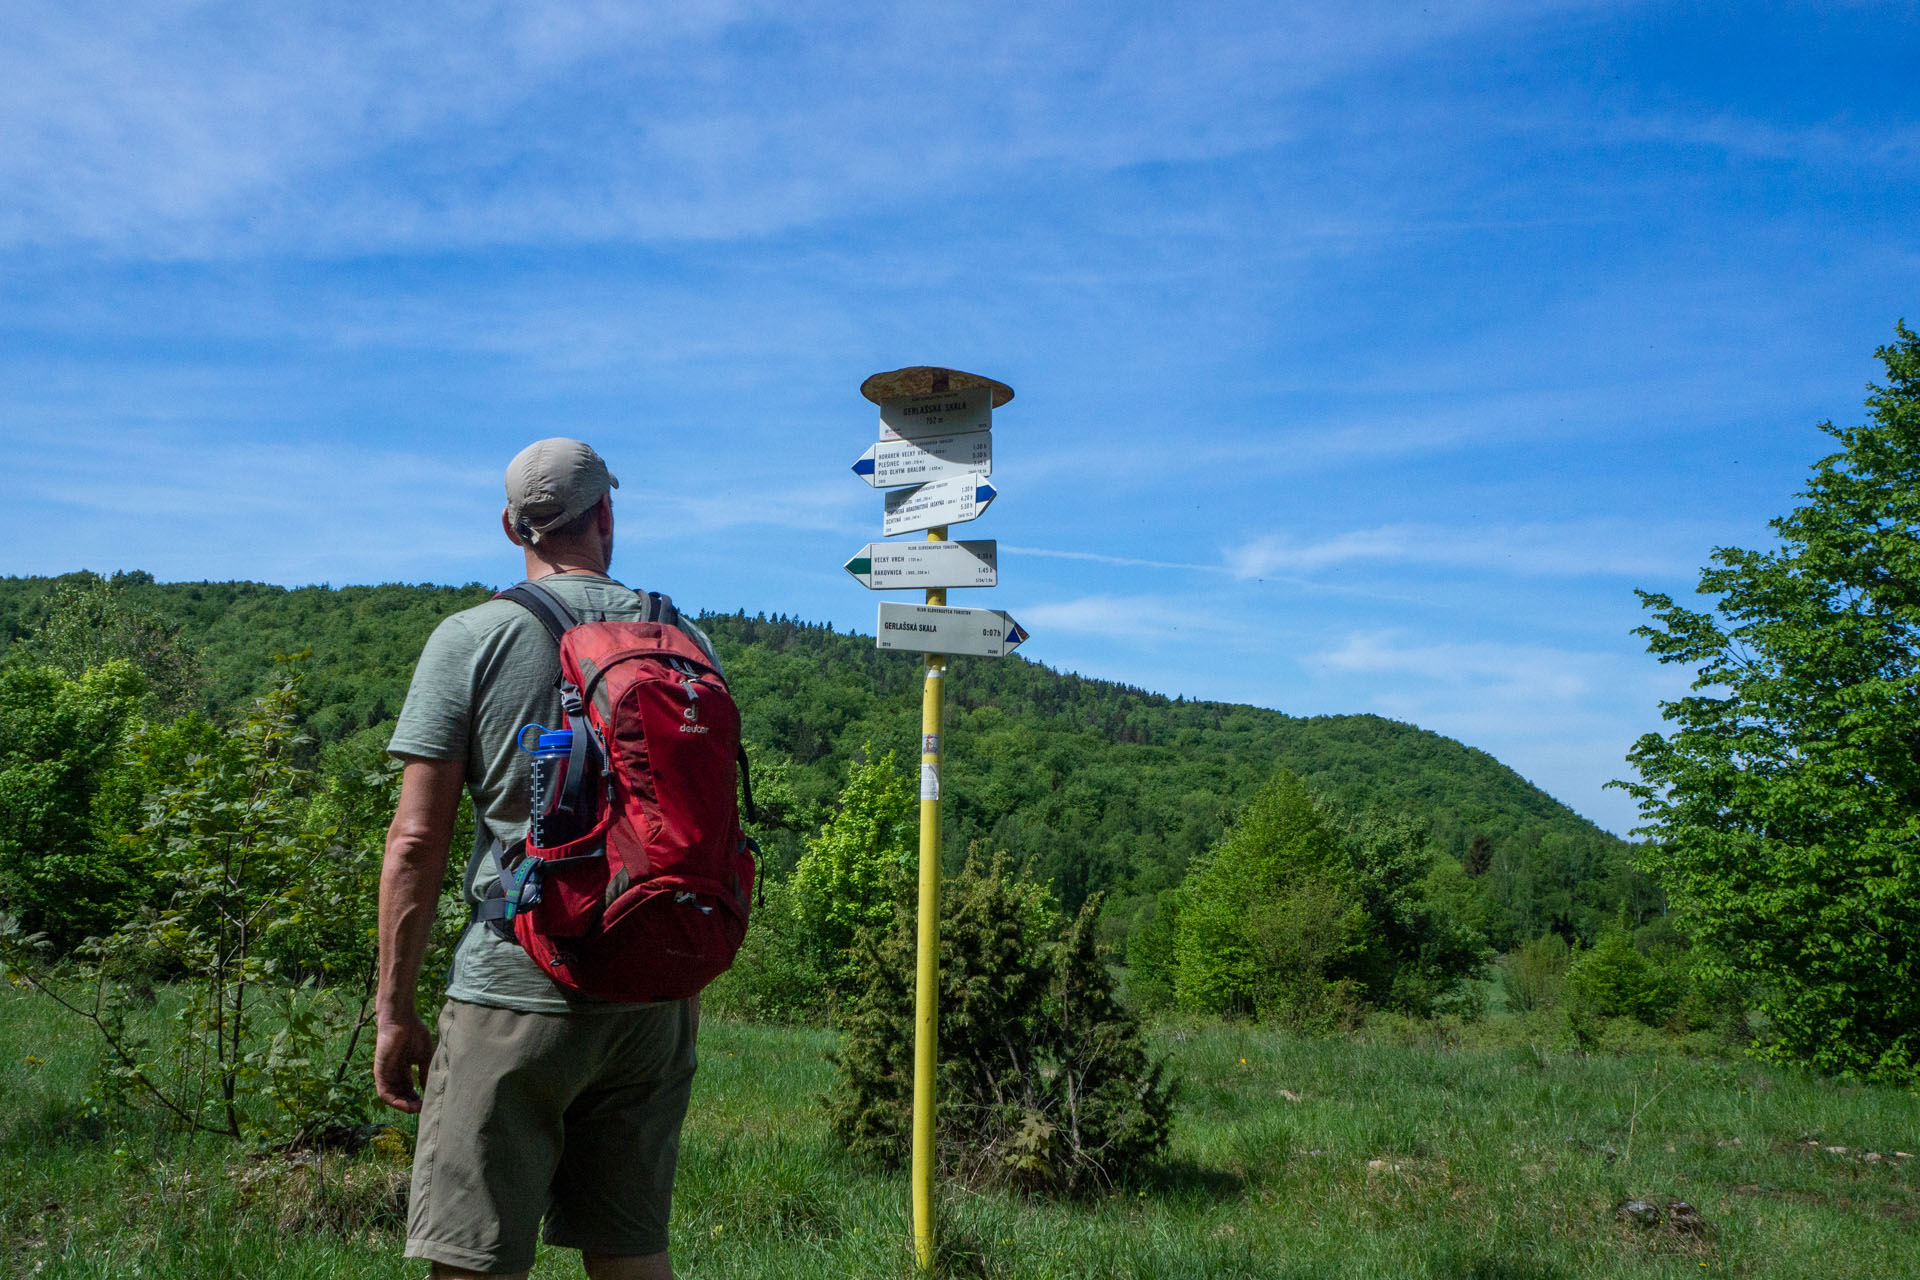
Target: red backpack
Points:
(650, 903)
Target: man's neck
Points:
(538, 568)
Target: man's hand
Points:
(401, 1045)
(410, 877)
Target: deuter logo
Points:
(692, 713)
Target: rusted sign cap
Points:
(927, 380)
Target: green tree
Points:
(1613, 980)
(1784, 802)
(92, 621)
(851, 874)
(63, 871)
(239, 865)
(1270, 919)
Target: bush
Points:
(1044, 1080)
(1306, 915)
(853, 872)
(775, 978)
(1613, 980)
(1239, 920)
(1535, 976)
(1150, 954)
(63, 871)
(238, 864)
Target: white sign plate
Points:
(945, 414)
(888, 566)
(892, 463)
(926, 628)
(954, 500)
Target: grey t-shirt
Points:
(487, 672)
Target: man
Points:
(538, 1102)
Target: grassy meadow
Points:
(1380, 1156)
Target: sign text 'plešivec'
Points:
(926, 628)
(892, 463)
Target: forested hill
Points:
(1103, 787)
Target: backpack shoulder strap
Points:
(543, 604)
(558, 619)
(660, 608)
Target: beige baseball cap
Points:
(551, 481)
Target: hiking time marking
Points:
(892, 463)
(925, 628)
(891, 566)
(954, 500)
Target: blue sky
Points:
(1367, 356)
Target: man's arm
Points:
(410, 880)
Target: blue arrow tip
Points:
(864, 467)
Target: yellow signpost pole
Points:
(926, 997)
(992, 634)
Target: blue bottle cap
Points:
(556, 740)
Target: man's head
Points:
(551, 483)
(557, 503)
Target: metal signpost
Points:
(935, 436)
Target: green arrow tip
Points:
(860, 566)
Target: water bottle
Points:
(551, 824)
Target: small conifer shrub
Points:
(1045, 1082)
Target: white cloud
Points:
(204, 128)
(1096, 557)
(1563, 719)
(1509, 673)
(1593, 549)
(1140, 619)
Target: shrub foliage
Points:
(1045, 1082)
(1308, 916)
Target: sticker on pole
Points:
(929, 781)
(927, 628)
(952, 501)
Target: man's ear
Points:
(506, 525)
(604, 521)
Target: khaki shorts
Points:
(570, 1117)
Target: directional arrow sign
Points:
(949, 412)
(955, 500)
(886, 566)
(926, 628)
(892, 463)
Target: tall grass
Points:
(1291, 1158)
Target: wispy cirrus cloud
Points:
(1564, 718)
(1595, 549)
(1138, 619)
(204, 129)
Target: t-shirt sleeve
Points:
(699, 637)
(437, 720)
